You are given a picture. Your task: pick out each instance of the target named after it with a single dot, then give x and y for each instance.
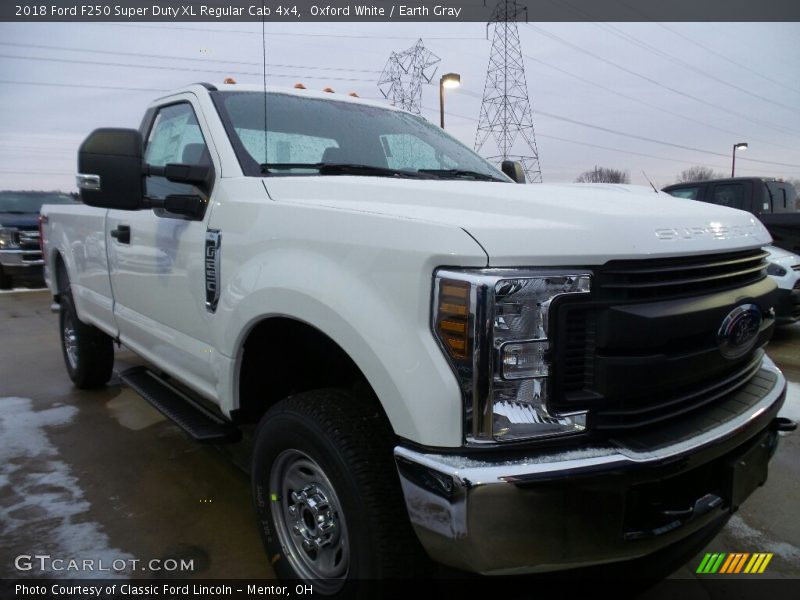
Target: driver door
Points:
(156, 258)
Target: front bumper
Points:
(631, 497)
(21, 259)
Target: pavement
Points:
(102, 475)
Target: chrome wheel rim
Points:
(309, 521)
(70, 341)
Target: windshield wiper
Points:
(15, 212)
(460, 174)
(344, 169)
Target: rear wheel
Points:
(5, 280)
(328, 496)
(88, 352)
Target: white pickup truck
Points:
(442, 364)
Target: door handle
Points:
(122, 234)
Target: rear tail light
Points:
(42, 220)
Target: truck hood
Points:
(539, 224)
(24, 220)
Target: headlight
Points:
(9, 238)
(776, 270)
(493, 326)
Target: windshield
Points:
(31, 202)
(305, 134)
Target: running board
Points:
(200, 423)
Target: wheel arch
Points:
(281, 356)
(60, 275)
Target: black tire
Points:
(345, 438)
(88, 352)
(5, 280)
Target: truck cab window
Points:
(284, 147)
(175, 137)
(729, 194)
(404, 151)
(690, 193)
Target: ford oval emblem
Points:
(739, 331)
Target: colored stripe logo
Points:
(734, 563)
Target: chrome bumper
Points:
(567, 509)
(21, 258)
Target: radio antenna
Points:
(264, 56)
(650, 182)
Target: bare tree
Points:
(697, 173)
(603, 175)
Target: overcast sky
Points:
(596, 89)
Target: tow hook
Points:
(783, 425)
(779, 427)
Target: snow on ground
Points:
(20, 290)
(39, 494)
(757, 539)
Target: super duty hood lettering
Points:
(716, 231)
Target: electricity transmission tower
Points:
(403, 76)
(505, 127)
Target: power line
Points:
(83, 86)
(728, 59)
(589, 18)
(680, 62)
(611, 148)
(642, 154)
(653, 106)
(660, 142)
(193, 59)
(284, 33)
(183, 69)
(782, 129)
(645, 138)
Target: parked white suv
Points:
(784, 269)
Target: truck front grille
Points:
(642, 347)
(671, 277)
(29, 244)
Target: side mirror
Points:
(110, 169)
(513, 169)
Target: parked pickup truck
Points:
(441, 364)
(773, 201)
(20, 254)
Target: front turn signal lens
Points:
(452, 317)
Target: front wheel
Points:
(5, 280)
(327, 493)
(88, 352)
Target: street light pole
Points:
(739, 146)
(448, 80)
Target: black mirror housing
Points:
(187, 205)
(110, 169)
(513, 169)
(194, 174)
